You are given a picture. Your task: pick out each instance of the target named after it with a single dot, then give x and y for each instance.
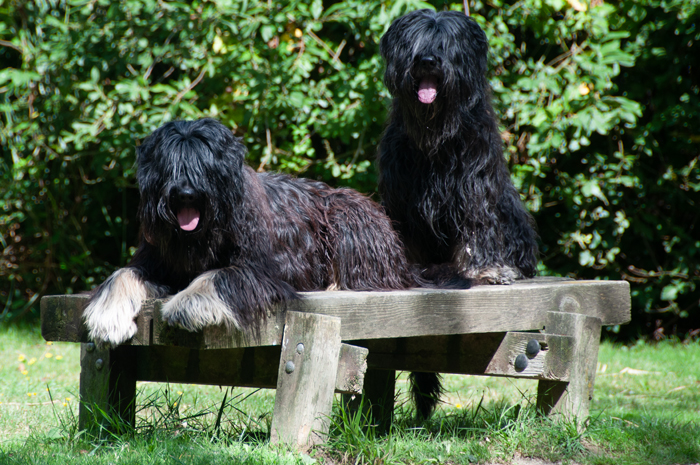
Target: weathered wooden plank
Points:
(518, 307)
(268, 333)
(244, 367)
(372, 315)
(144, 324)
(572, 399)
(306, 380)
(491, 354)
(551, 361)
(352, 366)
(62, 318)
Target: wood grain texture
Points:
(306, 379)
(62, 318)
(352, 366)
(572, 399)
(522, 306)
(244, 367)
(107, 386)
(491, 354)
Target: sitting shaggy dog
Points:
(442, 175)
(229, 242)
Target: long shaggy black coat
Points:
(443, 178)
(229, 242)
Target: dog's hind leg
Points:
(110, 312)
(235, 297)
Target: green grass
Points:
(646, 410)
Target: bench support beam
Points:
(306, 379)
(572, 399)
(107, 388)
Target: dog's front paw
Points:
(198, 306)
(110, 326)
(497, 274)
(111, 311)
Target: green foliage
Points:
(599, 108)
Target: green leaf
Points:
(316, 8)
(669, 292)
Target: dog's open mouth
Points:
(188, 218)
(427, 89)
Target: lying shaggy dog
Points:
(229, 242)
(442, 175)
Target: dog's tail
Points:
(426, 389)
(442, 276)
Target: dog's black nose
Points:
(185, 194)
(429, 61)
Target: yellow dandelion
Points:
(179, 393)
(175, 404)
(64, 404)
(59, 357)
(583, 89)
(25, 372)
(21, 358)
(48, 355)
(298, 33)
(29, 394)
(458, 405)
(67, 399)
(49, 343)
(32, 360)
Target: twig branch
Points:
(5, 43)
(179, 96)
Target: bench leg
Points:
(107, 386)
(377, 399)
(572, 399)
(306, 379)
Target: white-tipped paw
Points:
(198, 306)
(110, 314)
(498, 274)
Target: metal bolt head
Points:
(289, 367)
(90, 347)
(520, 362)
(99, 363)
(533, 347)
(300, 348)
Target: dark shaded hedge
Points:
(599, 107)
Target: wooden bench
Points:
(544, 329)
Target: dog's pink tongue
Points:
(427, 90)
(188, 218)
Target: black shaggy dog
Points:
(229, 242)
(442, 175)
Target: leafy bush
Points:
(599, 108)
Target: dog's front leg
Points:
(110, 312)
(480, 259)
(236, 297)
